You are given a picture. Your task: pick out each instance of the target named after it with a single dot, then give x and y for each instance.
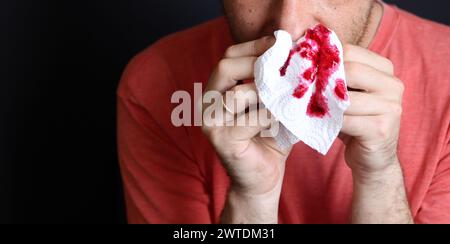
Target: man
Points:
(390, 165)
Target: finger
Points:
(214, 113)
(356, 126)
(272, 143)
(344, 138)
(240, 97)
(253, 48)
(363, 77)
(250, 125)
(358, 54)
(365, 104)
(229, 72)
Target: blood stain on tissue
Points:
(287, 63)
(325, 60)
(301, 90)
(340, 90)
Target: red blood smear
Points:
(325, 61)
(307, 51)
(318, 106)
(300, 91)
(287, 63)
(309, 74)
(341, 90)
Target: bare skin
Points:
(371, 125)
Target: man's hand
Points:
(370, 132)
(254, 164)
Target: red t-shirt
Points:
(173, 175)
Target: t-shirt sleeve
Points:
(435, 208)
(161, 178)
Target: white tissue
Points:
(317, 130)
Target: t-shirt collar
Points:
(386, 28)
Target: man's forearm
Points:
(241, 209)
(381, 198)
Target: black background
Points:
(61, 63)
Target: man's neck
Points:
(373, 23)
